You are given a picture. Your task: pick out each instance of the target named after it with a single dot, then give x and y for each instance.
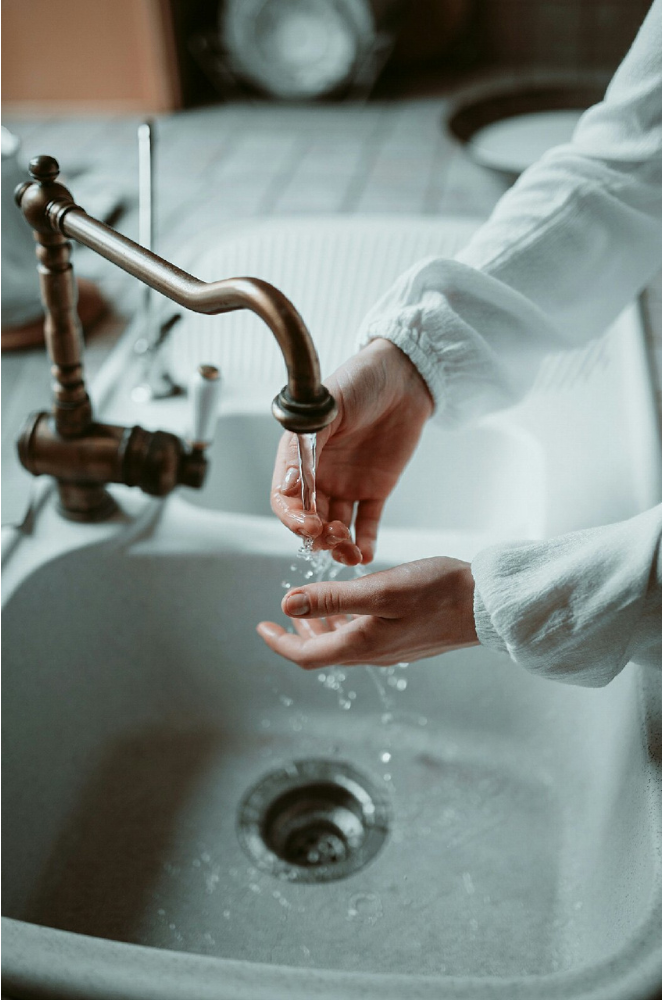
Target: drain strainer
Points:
(313, 821)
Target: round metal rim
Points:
(375, 816)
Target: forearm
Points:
(565, 250)
(579, 607)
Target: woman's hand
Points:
(383, 404)
(416, 610)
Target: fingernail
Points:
(265, 629)
(291, 477)
(297, 604)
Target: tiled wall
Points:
(568, 34)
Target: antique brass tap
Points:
(68, 444)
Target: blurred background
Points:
(159, 55)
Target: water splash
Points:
(365, 906)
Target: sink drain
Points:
(313, 821)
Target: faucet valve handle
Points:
(204, 392)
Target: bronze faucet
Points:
(68, 444)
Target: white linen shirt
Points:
(573, 241)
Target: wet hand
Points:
(413, 611)
(383, 404)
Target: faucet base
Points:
(85, 502)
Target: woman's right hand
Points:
(383, 404)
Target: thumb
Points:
(368, 595)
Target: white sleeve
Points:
(565, 250)
(579, 607)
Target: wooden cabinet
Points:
(86, 56)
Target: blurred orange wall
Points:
(84, 56)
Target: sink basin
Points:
(522, 824)
(469, 831)
(437, 491)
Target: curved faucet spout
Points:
(304, 405)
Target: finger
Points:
(337, 538)
(343, 511)
(347, 553)
(289, 510)
(309, 627)
(343, 646)
(367, 525)
(287, 457)
(333, 621)
(333, 533)
(367, 595)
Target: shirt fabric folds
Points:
(573, 241)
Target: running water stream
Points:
(320, 566)
(307, 444)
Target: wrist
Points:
(466, 622)
(412, 382)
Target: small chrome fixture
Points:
(156, 381)
(68, 444)
(313, 821)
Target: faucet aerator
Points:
(304, 418)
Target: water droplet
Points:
(578, 905)
(401, 684)
(206, 857)
(387, 777)
(284, 700)
(226, 914)
(351, 695)
(255, 888)
(344, 703)
(162, 913)
(468, 883)
(285, 584)
(172, 926)
(266, 723)
(321, 678)
(365, 906)
(403, 665)
(385, 757)
(293, 567)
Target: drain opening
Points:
(313, 821)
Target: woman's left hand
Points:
(398, 615)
